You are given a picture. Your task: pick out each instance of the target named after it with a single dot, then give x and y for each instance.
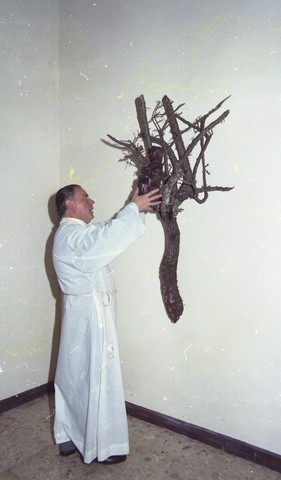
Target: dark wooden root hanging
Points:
(168, 269)
(172, 158)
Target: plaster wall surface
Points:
(219, 366)
(29, 159)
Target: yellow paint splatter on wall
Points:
(71, 174)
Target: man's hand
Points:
(147, 201)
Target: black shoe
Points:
(114, 459)
(67, 448)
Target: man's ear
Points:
(69, 204)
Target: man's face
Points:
(80, 206)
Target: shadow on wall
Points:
(54, 286)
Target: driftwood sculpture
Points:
(165, 160)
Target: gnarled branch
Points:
(168, 162)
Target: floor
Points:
(27, 452)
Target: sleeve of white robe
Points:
(93, 246)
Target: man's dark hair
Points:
(62, 195)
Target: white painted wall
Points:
(29, 159)
(219, 366)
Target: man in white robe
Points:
(90, 411)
